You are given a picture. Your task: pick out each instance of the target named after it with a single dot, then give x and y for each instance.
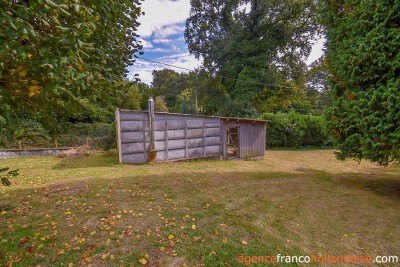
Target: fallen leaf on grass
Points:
(104, 256)
(244, 242)
(88, 260)
(90, 247)
(143, 261)
(23, 240)
(196, 238)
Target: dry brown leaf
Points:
(143, 261)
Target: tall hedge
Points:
(363, 45)
(296, 130)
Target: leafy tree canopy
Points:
(252, 44)
(181, 91)
(56, 57)
(363, 41)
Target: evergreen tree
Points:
(363, 42)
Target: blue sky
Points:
(161, 34)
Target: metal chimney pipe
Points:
(152, 154)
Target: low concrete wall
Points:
(17, 153)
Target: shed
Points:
(144, 136)
(243, 138)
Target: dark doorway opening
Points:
(233, 145)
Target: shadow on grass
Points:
(386, 187)
(380, 183)
(92, 161)
(384, 184)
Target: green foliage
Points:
(254, 47)
(318, 85)
(363, 41)
(169, 84)
(295, 130)
(145, 91)
(59, 59)
(160, 105)
(179, 91)
(186, 101)
(5, 178)
(98, 135)
(91, 130)
(131, 98)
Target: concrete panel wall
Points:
(177, 136)
(133, 136)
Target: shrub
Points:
(295, 130)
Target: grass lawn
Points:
(93, 211)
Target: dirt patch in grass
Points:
(78, 152)
(67, 187)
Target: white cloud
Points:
(168, 30)
(159, 13)
(144, 75)
(146, 44)
(171, 48)
(163, 40)
(163, 19)
(316, 51)
(161, 50)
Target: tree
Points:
(187, 101)
(363, 42)
(253, 44)
(318, 86)
(169, 84)
(56, 57)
